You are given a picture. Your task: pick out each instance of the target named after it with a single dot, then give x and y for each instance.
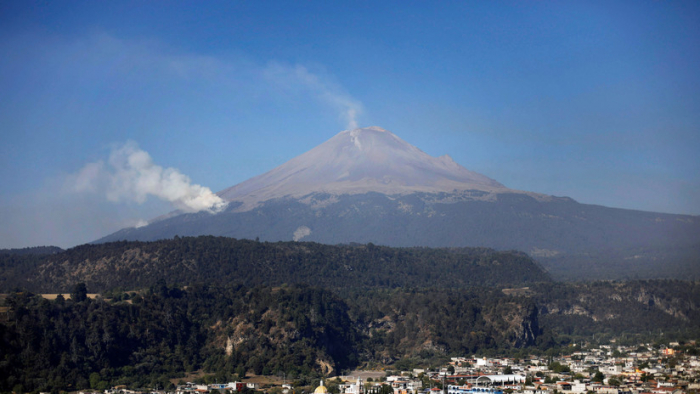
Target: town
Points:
(608, 369)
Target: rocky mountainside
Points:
(368, 185)
(163, 331)
(644, 309)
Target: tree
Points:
(598, 377)
(558, 368)
(240, 371)
(333, 387)
(79, 293)
(386, 389)
(94, 380)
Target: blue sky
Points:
(598, 101)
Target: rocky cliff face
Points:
(635, 307)
(415, 323)
(394, 326)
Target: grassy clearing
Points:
(52, 297)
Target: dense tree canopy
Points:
(145, 338)
(222, 261)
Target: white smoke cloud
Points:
(298, 76)
(131, 175)
(301, 232)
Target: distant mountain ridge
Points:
(368, 185)
(35, 250)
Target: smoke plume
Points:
(301, 232)
(131, 175)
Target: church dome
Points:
(321, 389)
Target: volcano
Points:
(360, 161)
(368, 185)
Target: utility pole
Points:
(443, 383)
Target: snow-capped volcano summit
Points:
(359, 161)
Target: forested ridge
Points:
(222, 261)
(35, 250)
